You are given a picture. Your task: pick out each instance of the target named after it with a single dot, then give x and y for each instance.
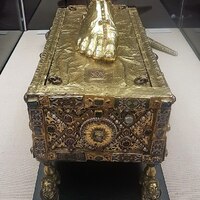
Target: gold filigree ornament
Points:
(98, 132)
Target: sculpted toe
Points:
(110, 52)
(84, 44)
(78, 42)
(91, 47)
(98, 53)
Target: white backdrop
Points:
(18, 170)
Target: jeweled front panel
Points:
(96, 128)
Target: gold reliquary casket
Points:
(83, 109)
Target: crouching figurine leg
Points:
(150, 185)
(49, 189)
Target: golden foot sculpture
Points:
(98, 34)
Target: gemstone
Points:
(129, 119)
(98, 135)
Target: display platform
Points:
(100, 181)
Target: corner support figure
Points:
(150, 185)
(49, 189)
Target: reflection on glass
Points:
(152, 12)
(191, 24)
(30, 8)
(186, 14)
(10, 28)
(173, 7)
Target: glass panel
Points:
(30, 7)
(10, 28)
(173, 7)
(153, 12)
(191, 24)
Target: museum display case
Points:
(169, 25)
(14, 17)
(10, 28)
(111, 104)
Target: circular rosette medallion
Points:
(98, 132)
